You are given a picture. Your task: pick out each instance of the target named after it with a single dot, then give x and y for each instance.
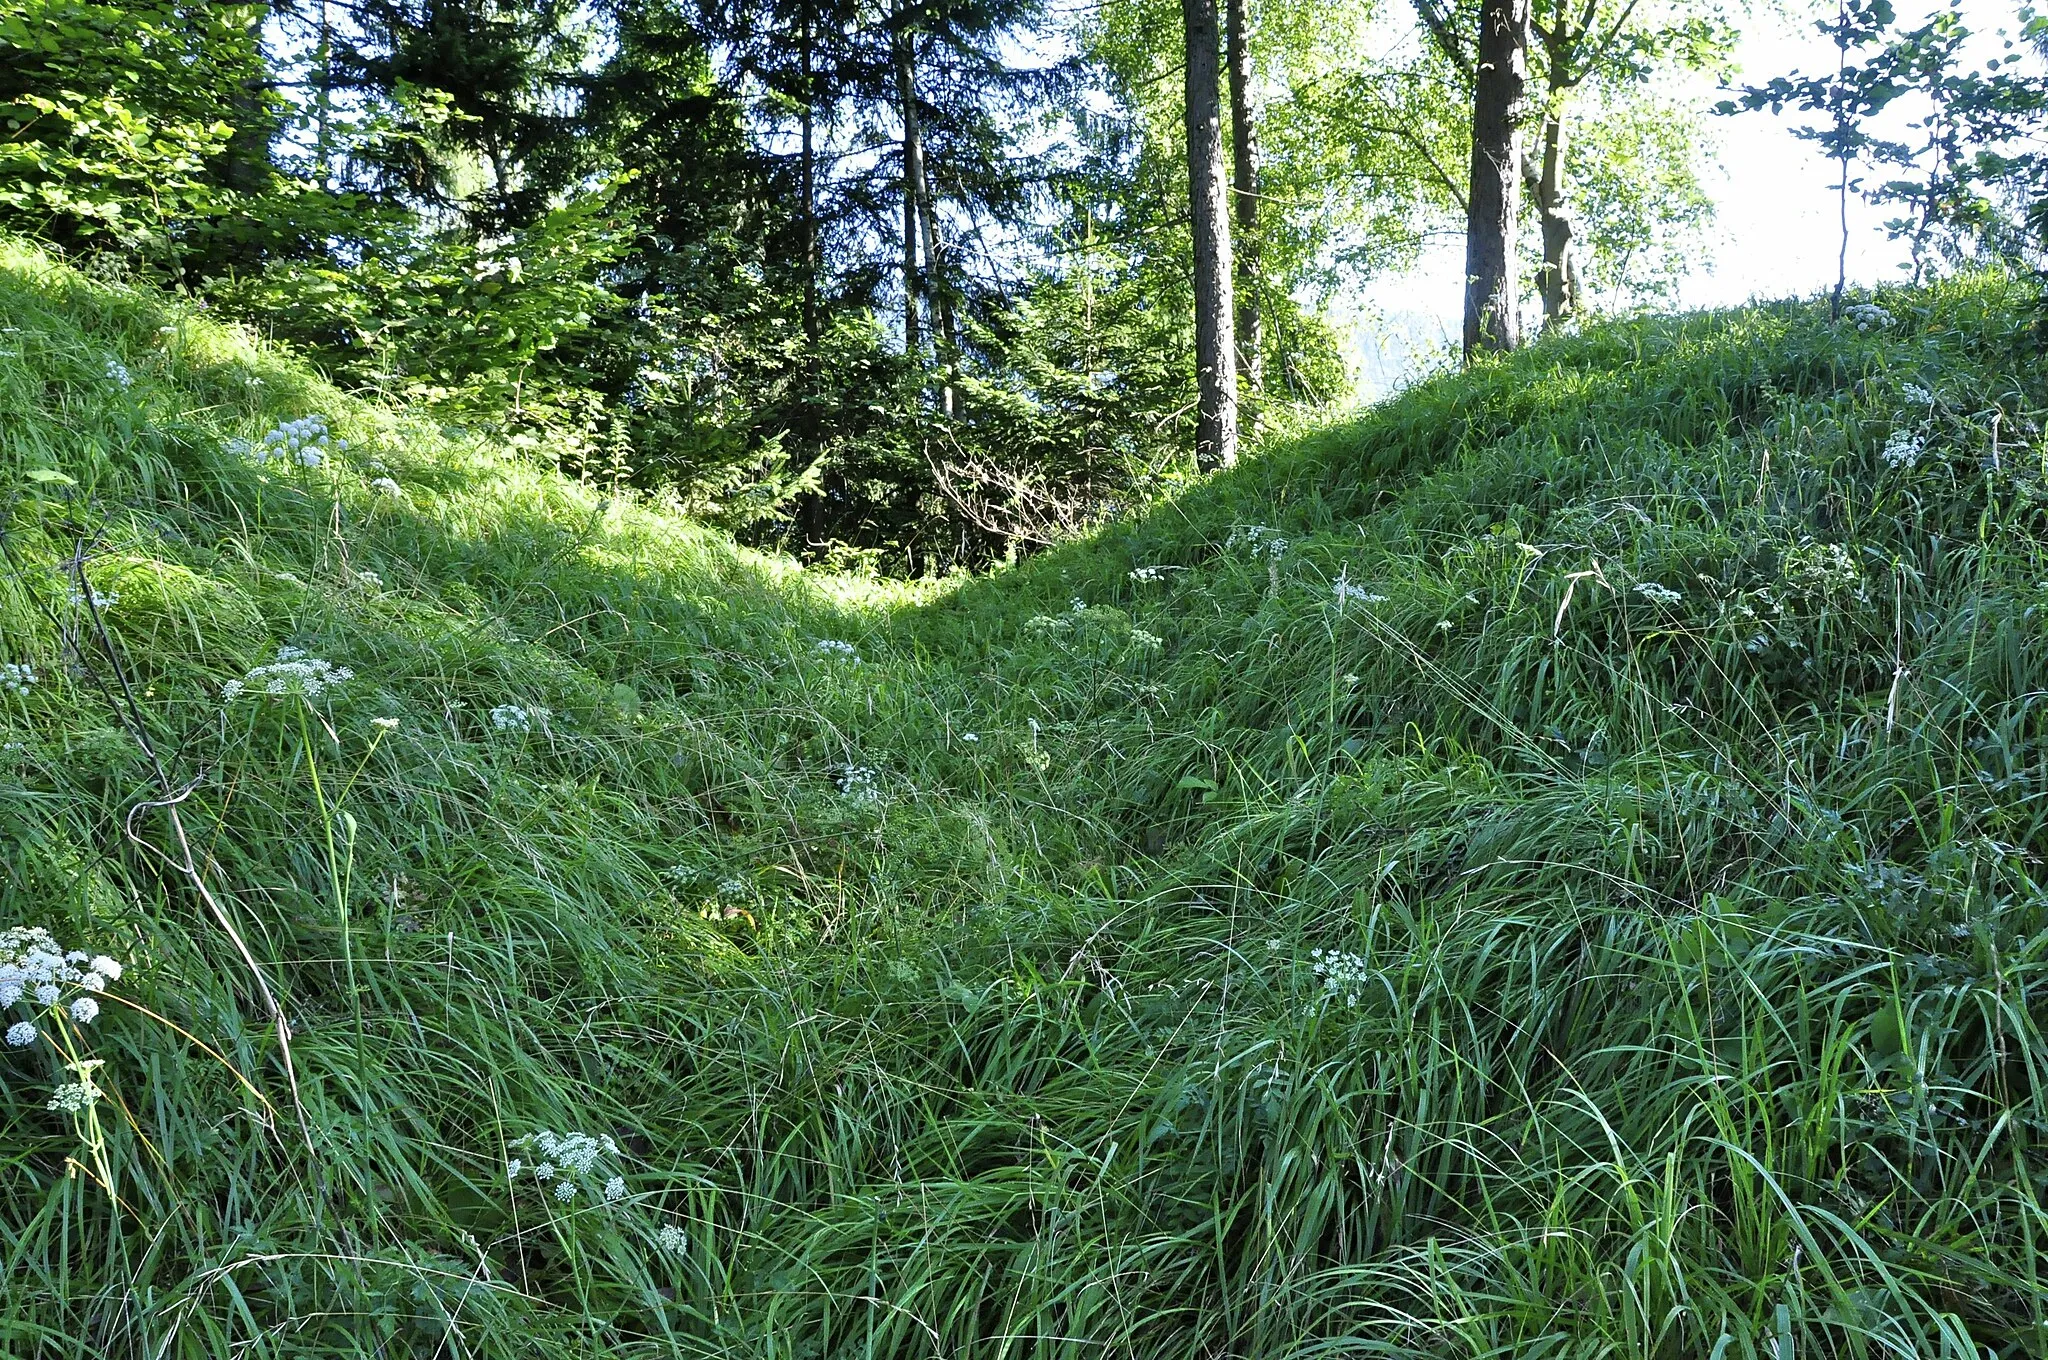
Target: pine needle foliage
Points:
(1548, 867)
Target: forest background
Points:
(915, 284)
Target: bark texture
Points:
(1558, 281)
(1209, 218)
(913, 175)
(809, 192)
(937, 290)
(1499, 90)
(1244, 142)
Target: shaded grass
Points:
(1691, 950)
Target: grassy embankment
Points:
(1658, 768)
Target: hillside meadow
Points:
(1548, 866)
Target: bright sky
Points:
(1776, 231)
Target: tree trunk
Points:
(1251, 357)
(1209, 214)
(913, 171)
(809, 192)
(323, 100)
(938, 300)
(1559, 279)
(1499, 85)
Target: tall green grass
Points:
(1152, 950)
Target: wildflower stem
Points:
(337, 881)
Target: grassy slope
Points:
(1691, 955)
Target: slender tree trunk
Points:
(1842, 136)
(1499, 86)
(245, 164)
(809, 192)
(1559, 280)
(1209, 214)
(938, 297)
(913, 172)
(812, 509)
(1251, 357)
(323, 99)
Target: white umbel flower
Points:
(305, 442)
(570, 1165)
(1343, 974)
(1903, 449)
(74, 1097)
(21, 1034)
(1348, 593)
(293, 674)
(517, 717)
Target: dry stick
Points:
(128, 712)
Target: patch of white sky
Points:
(1777, 228)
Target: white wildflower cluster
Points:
(1347, 592)
(17, 677)
(1657, 593)
(118, 374)
(672, 1239)
(566, 1164)
(371, 579)
(1146, 641)
(860, 785)
(292, 673)
(1257, 541)
(1903, 449)
(101, 600)
(305, 441)
(1147, 575)
(834, 647)
(74, 1097)
(35, 969)
(1866, 316)
(1916, 394)
(1342, 974)
(518, 717)
(385, 486)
